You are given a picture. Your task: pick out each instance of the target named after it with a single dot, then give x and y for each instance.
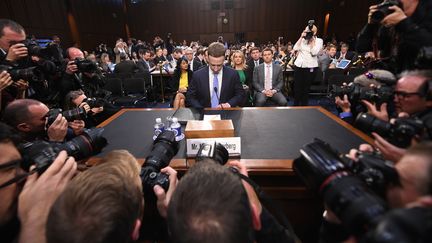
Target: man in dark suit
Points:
(216, 86)
(11, 47)
(198, 60)
(268, 81)
(125, 66)
(345, 54)
(144, 64)
(254, 61)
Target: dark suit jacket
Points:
(143, 67)
(350, 55)
(277, 77)
(197, 64)
(198, 94)
(127, 66)
(250, 67)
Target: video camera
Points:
(383, 10)
(357, 92)
(165, 147)
(69, 115)
(400, 133)
(42, 153)
(310, 33)
(347, 187)
(85, 66)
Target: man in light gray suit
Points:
(268, 81)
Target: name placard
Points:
(232, 144)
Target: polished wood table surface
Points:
(132, 129)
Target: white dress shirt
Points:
(211, 77)
(307, 56)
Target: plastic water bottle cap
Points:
(174, 119)
(158, 120)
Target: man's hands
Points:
(344, 104)
(77, 126)
(380, 114)
(269, 93)
(71, 68)
(163, 198)
(224, 105)
(394, 18)
(388, 150)
(5, 80)
(58, 129)
(16, 52)
(39, 194)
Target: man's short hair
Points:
(143, 51)
(8, 134)
(424, 151)
(18, 112)
(178, 50)
(210, 205)
(255, 49)
(330, 46)
(216, 49)
(123, 56)
(14, 26)
(268, 49)
(424, 89)
(100, 205)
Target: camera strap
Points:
(268, 203)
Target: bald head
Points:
(74, 53)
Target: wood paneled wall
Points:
(105, 20)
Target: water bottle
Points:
(159, 127)
(176, 128)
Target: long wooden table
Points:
(132, 129)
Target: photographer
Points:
(98, 110)
(308, 47)
(82, 74)
(11, 47)
(24, 210)
(225, 208)
(413, 197)
(405, 24)
(105, 203)
(29, 118)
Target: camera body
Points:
(309, 34)
(400, 133)
(42, 153)
(69, 115)
(94, 102)
(28, 74)
(85, 66)
(357, 92)
(214, 150)
(383, 10)
(165, 147)
(342, 184)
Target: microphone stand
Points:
(161, 81)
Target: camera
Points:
(341, 183)
(357, 92)
(424, 58)
(165, 147)
(42, 153)
(94, 102)
(85, 66)
(69, 115)
(28, 74)
(400, 133)
(310, 33)
(215, 151)
(49, 52)
(383, 10)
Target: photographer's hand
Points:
(39, 194)
(380, 114)
(16, 52)
(58, 129)
(372, 9)
(77, 126)
(85, 106)
(5, 80)
(394, 18)
(344, 104)
(388, 150)
(163, 198)
(71, 68)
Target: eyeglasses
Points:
(13, 164)
(403, 94)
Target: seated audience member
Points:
(24, 209)
(181, 79)
(106, 64)
(98, 110)
(413, 194)
(328, 59)
(216, 86)
(105, 203)
(412, 97)
(120, 47)
(174, 57)
(225, 209)
(238, 62)
(29, 118)
(189, 55)
(145, 64)
(125, 66)
(268, 81)
(345, 54)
